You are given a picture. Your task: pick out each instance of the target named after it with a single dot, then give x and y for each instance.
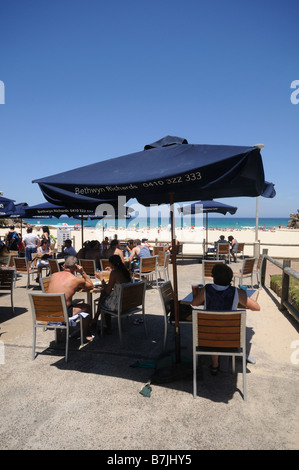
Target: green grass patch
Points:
(276, 283)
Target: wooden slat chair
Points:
(147, 269)
(257, 270)
(53, 266)
(207, 266)
(7, 283)
(167, 299)
(21, 267)
(10, 263)
(162, 265)
(131, 301)
(158, 249)
(104, 264)
(219, 333)
(89, 266)
(246, 271)
(223, 250)
(50, 310)
(240, 249)
(44, 283)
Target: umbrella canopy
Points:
(207, 207)
(7, 207)
(168, 166)
(167, 171)
(49, 210)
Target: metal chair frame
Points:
(222, 334)
(131, 301)
(50, 311)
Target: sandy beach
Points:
(280, 243)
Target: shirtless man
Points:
(66, 281)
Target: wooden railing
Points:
(287, 272)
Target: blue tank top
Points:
(144, 252)
(219, 300)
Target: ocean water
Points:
(224, 222)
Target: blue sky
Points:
(90, 80)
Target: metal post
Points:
(285, 284)
(263, 269)
(175, 283)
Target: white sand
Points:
(281, 243)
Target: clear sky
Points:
(87, 80)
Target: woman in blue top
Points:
(221, 296)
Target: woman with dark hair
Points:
(222, 296)
(110, 295)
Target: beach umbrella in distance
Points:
(49, 210)
(167, 171)
(7, 206)
(207, 207)
(12, 211)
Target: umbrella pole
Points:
(175, 283)
(82, 230)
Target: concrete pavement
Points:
(94, 401)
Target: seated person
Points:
(104, 247)
(92, 251)
(115, 250)
(67, 250)
(82, 251)
(221, 296)
(129, 246)
(221, 240)
(144, 242)
(44, 252)
(66, 281)
(139, 251)
(109, 298)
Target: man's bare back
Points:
(66, 282)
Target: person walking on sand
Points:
(234, 247)
(66, 281)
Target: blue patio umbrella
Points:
(167, 171)
(49, 210)
(207, 207)
(170, 166)
(7, 207)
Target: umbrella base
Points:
(169, 371)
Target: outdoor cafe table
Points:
(97, 289)
(189, 297)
